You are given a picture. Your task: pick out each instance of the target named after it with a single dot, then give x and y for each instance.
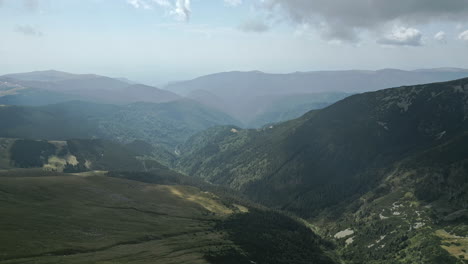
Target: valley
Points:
(378, 177)
(234, 132)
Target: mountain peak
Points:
(48, 75)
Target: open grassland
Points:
(94, 217)
(97, 219)
(456, 245)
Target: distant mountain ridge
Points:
(254, 98)
(310, 82)
(249, 95)
(47, 87)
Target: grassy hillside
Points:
(75, 219)
(76, 155)
(91, 218)
(418, 213)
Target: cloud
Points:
(162, 2)
(139, 4)
(346, 19)
(441, 37)
(28, 31)
(233, 2)
(180, 9)
(401, 36)
(254, 25)
(463, 36)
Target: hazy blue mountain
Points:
(48, 87)
(245, 94)
(42, 76)
(351, 81)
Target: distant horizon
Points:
(162, 41)
(163, 85)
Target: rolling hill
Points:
(51, 87)
(94, 218)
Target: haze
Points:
(159, 41)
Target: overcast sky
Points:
(156, 41)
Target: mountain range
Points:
(254, 98)
(382, 172)
(48, 87)
(247, 96)
(377, 177)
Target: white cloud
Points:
(180, 9)
(402, 36)
(463, 36)
(233, 2)
(441, 37)
(162, 2)
(139, 4)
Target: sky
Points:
(159, 41)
